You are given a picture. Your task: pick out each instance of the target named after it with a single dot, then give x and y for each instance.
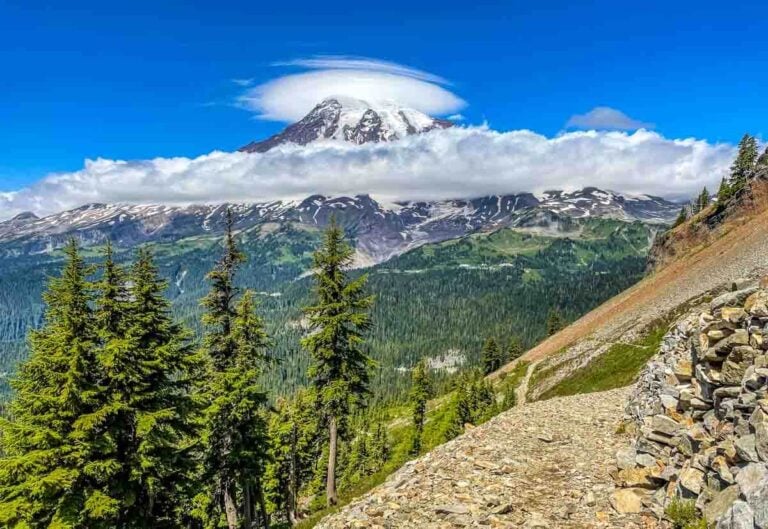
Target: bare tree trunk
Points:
(247, 506)
(330, 484)
(230, 506)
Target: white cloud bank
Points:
(291, 97)
(458, 162)
(602, 118)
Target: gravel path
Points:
(542, 465)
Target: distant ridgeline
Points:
(446, 276)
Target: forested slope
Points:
(440, 300)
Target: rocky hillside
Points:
(541, 466)
(714, 222)
(701, 412)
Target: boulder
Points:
(757, 304)
(720, 503)
(753, 480)
(691, 481)
(732, 299)
(746, 449)
(738, 516)
(665, 425)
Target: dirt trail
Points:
(541, 465)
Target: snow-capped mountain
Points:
(381, 230)
(351, 120)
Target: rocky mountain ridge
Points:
(351, 120)
(381, 230)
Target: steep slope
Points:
(738, 254)
(351, 120)
(545, 465)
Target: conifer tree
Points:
(703, 199)
(421, 390)
(555, 321)
(339, 367)
(294, 449)
(491, 356)
(50, 472)
(236, 443)
(514, 349)
(724, 192)
(462, 407)
(151, 375)
(380, 446)
(744, 163)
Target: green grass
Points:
(617, 368)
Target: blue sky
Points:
(135, 80)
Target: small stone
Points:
(665, 425)
(625, 458)
(733, 314)
(745, 448)
(757, 304)
(691, 480)
(645, 460)
(626, 501)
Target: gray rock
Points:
(753, 480)
(745, 448)
(731, 298)
(738, 516)
(759, 422)
(691, 481)
(665, 425)
(720, 503)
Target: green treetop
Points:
(51, 474)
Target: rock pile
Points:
(701, 411)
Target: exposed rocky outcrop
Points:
(701, 410)
(542, 465)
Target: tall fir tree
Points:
(51, 471)
(491, 356)
(339, 367)
(236, 344)
(744, 163)
(150, 371)
(421, 390)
